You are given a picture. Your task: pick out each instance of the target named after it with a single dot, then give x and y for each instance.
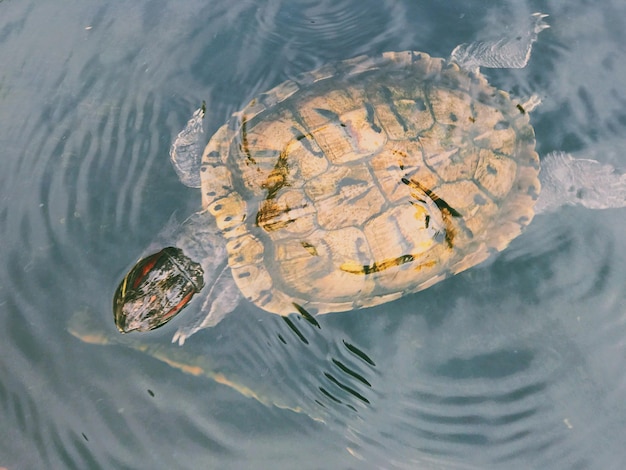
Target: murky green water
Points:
(517, 363)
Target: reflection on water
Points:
(516, 363)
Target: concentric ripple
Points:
(511, 383)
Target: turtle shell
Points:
(369, 179)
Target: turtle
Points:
(355, 184)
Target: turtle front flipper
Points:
(566, 180)
(186, 151)
(510, 51)
(221, 299)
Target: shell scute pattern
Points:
(368, 179)
(402, 116)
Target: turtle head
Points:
(155, 290)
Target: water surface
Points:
(517, 363)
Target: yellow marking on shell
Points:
(359, 64)
(217, 146)
(244, 141)
(216, 177)
(291, 212)
(277, 179)
(334, 286)
(229, 212)
(295, 250)
(356, 268)
(275, 144)
(396, 232)
(324, 72)
(216, 185)
(270, 216)
(447, 213)
(405, 58)
(275, 215)
(310, 248)
(254, 281)
(244, 250)
(420, 211)
(353, 267)
(400, 154)
(310, 270)
(427, 264)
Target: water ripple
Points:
(311, 27)
(516, 363)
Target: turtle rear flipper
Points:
(511, 51)
(566, 180)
